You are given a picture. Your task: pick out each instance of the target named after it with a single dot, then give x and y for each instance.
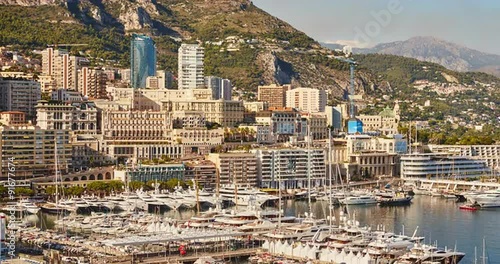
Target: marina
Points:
(119, 234)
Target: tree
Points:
(21, 191)
(135, 185)
(3, 190)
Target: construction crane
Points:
(352, 65)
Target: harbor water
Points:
(439, 220)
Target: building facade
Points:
(274, 94)
(488, 153)
(441, 166)
(334, 118)
(221, 88)
(190, 64)
(92, 82)
(294, 168)
(385, 123)
(12, 118)
(32, 151)
(203, 172)
(225, 113)
(370, 164)
(145, 173)
(19, 95)
(62, 68)
(79, 117)
(235, 168)
(66, 95)
(307, 99)
(142, 60)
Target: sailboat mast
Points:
(309, 168)
(56, 168)
(475, 255)
(409, 138)
(484, 251)
(279, 189)
(330, 207)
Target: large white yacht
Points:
(364, 199)
(245, 195)
(487, 199)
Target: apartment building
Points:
(203, 172)
(291, 167)
(190, 64)
(307, 99)
(62, 68)
(235, 168)
(274, 94)
(32, 151)
(92, 82)
(12, 118)
(19, 95)
(488, 153)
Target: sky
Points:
(364, 23)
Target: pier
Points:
(454, 185)
(152, 258)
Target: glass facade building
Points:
(142, 60)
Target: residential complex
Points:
(191, 66)
(32, 150)
(61, 69)
(235, 168)
(294, 168)
(307, 99)
(221, 88)
(274, 94)
(19, 95)
(488, 153)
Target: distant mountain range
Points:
(447, 54)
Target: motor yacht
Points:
(355, 200)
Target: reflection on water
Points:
(437, 219)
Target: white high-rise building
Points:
(191, 66)
(307, 99)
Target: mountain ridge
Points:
(242, 43)
(428, 48)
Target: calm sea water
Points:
(437, 219)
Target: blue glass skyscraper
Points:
(142, 60)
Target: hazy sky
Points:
(473, 23)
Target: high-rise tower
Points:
(191, 66)
(142, 60)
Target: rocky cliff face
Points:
(30, 2)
